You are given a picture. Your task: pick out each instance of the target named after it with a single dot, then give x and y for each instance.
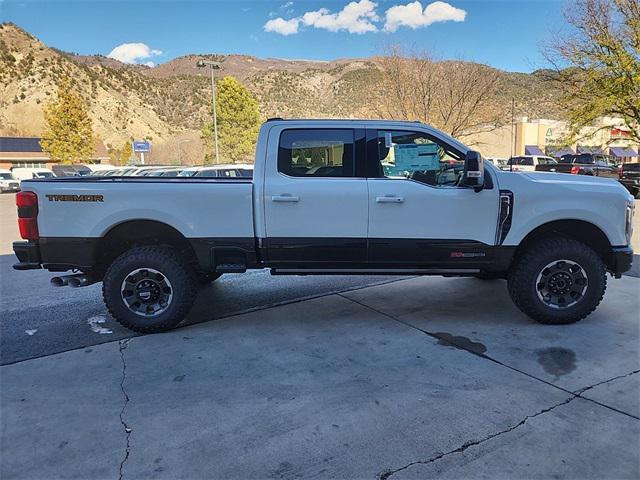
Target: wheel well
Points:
(579, 230)
(136, 233)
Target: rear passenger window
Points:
(316, 153)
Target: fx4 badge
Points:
(75, 198)
(467, 254)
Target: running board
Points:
(376, 271)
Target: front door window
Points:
(413, 155)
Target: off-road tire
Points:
(528, 265)
(172, 266)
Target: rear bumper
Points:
(28, 256)
(621, 259)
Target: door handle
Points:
(390, 199)
(285, 197)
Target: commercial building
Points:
(545, 137)
(26, 152)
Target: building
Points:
(18, 152)
(545, 137)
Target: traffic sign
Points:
(141, 146)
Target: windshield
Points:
(43, 175)
(6, 176)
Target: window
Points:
(316, 153)
(546, 161)
(413, 155)
(29, 165)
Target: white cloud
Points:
(355, 17)
(361, 17)
(134, 53)
(282, 26)
(413, 16)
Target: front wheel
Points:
(558, 281)
(149, 289)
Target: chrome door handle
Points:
(285, 198)
(390, 199)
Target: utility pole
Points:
(212, 66)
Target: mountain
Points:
(169, 103)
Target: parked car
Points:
(70, 170)
(99, 168)
(498, 162)
(529, 163)
(23, 173)
(8, 183)
(189, 171)
(320, 203)
(629, 176)
(228, 170)
(596, 165)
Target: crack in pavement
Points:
(580, 391)
(384, 475)
(577, 393)
(122, 345)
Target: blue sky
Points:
(505, 34)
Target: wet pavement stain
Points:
(462, 343)
(557, 361)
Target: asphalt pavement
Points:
(419, 378)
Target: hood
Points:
(567, 178)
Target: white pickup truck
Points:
(332, 197)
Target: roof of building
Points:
(20, 144)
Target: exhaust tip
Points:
(58, 281)
(74, 282)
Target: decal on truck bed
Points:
(75, 198)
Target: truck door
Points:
(418, 215)
(315, 206)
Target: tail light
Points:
(620, 172)
(27, 203)
(575, 170)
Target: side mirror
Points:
(473, 175)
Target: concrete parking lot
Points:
(317, 377)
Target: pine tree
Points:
(68, 137)
(238, 122)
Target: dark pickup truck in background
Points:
(629, 176)
(583, 164)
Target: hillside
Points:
(169, 103)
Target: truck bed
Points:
(87, 207)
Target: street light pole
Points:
(213, 66)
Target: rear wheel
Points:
(558, 281)
(149, 289)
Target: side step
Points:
(376, 271)
(231, 268)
